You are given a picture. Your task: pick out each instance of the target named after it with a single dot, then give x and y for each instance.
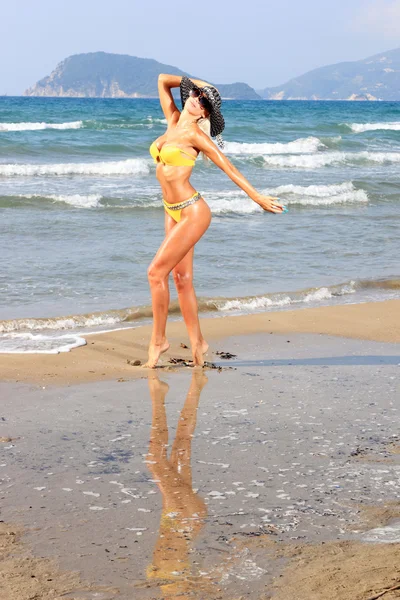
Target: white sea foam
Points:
(319, 195)
(361, 127)
(318, 295)
(231, 202)
(318, 191)
(60, 323)
(28, 343)
(325, 159)
(256, 303)
(306, 161)
(37, 126)
(300, 146)
(223, 202)
(279, 300)
(312, 195)
(151, 119)
(78, 200)
(133, 166)
(379, 157)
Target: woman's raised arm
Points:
(204, 144)
(165, 84)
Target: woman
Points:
(187, 216)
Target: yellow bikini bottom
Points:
(175, 210)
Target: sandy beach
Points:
(276, 476)
(105, 356)
(273, 472)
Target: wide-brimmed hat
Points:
(217, 121)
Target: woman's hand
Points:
(200, 83)
(270, 204)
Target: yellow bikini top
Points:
(171, 156)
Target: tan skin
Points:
(176, 252)
(183, 511)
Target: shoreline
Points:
(106, 354)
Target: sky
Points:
(261, 42)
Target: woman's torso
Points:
(174, 178)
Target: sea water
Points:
(82, 216)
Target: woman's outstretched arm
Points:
(204, 144)
(165, 84)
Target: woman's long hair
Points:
(205, 126)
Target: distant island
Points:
(374, 78)
(105, 75)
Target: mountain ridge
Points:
(106, 75)
(376, 77)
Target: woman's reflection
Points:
(183, 511)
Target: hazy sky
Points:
(261, 42)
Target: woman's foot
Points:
(198, 355)
(204, 346)
(155, 351)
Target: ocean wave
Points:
(38, 126)
(82, 201)
(148, 122)
(319, 195)
(28, 343)
(77, 200)
(126, 316)
(306, 297)
(300, 146)
(361, 127)
(221, 203)
(133, 166)
(257, 303)
(226, 202)
(313, 195)
(377, 157)
(151, 119)
(325, 159)
(89, 320)
(331, 142)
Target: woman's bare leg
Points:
(183, 278)
(178, 242)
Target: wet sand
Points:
(277, 477)
(105, 356)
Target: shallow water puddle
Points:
(163, 487)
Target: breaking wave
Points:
(361, 127)
(112, 318)
(133, 166)
(325, 159)
(222, 202)
(320, 195)
(300, 146)
(77, 200)
(38, 126)
(312, 195)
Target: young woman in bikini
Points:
(187, 215)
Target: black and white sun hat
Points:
(217, 121)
